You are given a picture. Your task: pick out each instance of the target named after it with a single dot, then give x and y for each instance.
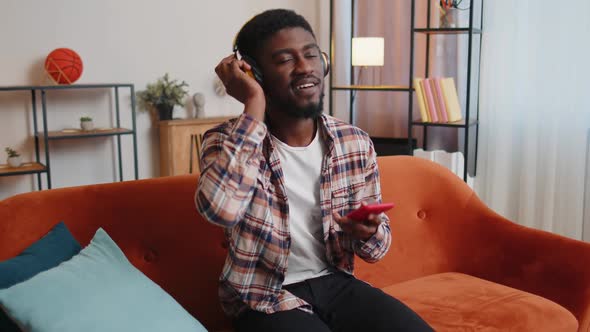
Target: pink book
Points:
(429, 100)
(441, 102)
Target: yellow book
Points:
(421, 100)
(451, 98)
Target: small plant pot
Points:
(165, 112)
(14, 161)
(87, 125)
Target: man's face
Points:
(293, 73)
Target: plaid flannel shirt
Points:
(241, 188)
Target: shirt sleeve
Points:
(377, 246)
(230, 164)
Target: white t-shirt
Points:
(302, 169)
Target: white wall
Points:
(119, 41)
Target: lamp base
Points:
(373, 81)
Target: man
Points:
(279, 180)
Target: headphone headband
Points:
(257, 74)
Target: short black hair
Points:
(262, 26)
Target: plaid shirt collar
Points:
(327, 130)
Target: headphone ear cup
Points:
(325, 63)
(254, 72)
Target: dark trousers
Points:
(340, 303)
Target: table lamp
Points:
(368, 52)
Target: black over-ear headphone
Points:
(257, 74)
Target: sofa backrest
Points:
(429, 199)
(155, 223)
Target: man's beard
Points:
(311, 111)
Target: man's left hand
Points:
(359, 229)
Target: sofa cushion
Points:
(459, 302)
(56, 246)
(97, 290)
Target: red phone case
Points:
(363, 212)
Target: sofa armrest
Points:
(439, 225)
(488, 246)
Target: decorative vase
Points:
(449, 18)
(14, 161)
(87, 125)
(199, 103)
(165, 112)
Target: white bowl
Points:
(14, 161)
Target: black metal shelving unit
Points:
(37, 167)
(470, 121)
(383, 145)
(471, 117)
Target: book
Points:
(425, 101)
(421, 101)
(451, 99)
(429, 100)
(439, 98)
(441, 119)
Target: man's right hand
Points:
(240, 85)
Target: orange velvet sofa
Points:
(461, 266)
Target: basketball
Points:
(64, 66)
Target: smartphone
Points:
(363, 212)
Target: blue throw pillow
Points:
(55, 247)
(96, 290)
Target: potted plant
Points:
(14, 158)
(86, 123)
(162, 96)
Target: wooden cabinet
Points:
(180, 144)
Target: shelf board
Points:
(373, 87)
(66, 87)
(26, 168)
(447, 31)
(78, 133)
(458, 124)
(194, 121)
